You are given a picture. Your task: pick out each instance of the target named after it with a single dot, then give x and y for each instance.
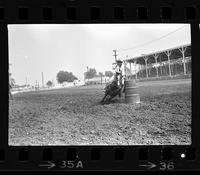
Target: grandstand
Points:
(169, 63)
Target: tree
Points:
(108, 73)
(11, 84)
(49, 83)
(64, 76)
(91, 73)
(100, 74)
(11, 81)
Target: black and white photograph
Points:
(99, 84)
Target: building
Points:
(170, 62)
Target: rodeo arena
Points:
(172, 63)
(146, 102)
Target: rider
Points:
(118, 81)
(119, 73)
(116, 87)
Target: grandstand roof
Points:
(158, 52)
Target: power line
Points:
(149, 42)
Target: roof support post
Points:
(182, 50)
(125, 69)
(168, 53)
(156, 60)
(130, 67)
(135, 62)
(145, 59)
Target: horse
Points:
(113, 89)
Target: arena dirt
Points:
(73, 116)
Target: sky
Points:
(49, 48)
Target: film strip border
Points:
(98, 158)
(76, 11)
(87, 158)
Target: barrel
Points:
(131, 92)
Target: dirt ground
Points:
(74, 116)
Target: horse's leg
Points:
(104, 98)
(111, 97)
(122, 90)
(115, 93)
(120, 93)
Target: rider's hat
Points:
(117, 72)
(119, 62)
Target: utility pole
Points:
(36, 85)
(115, 54)
(26, 81)
(86, 74)
(42, 80)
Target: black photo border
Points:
(31, 157)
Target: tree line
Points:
(65, 76)
(91, 73)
